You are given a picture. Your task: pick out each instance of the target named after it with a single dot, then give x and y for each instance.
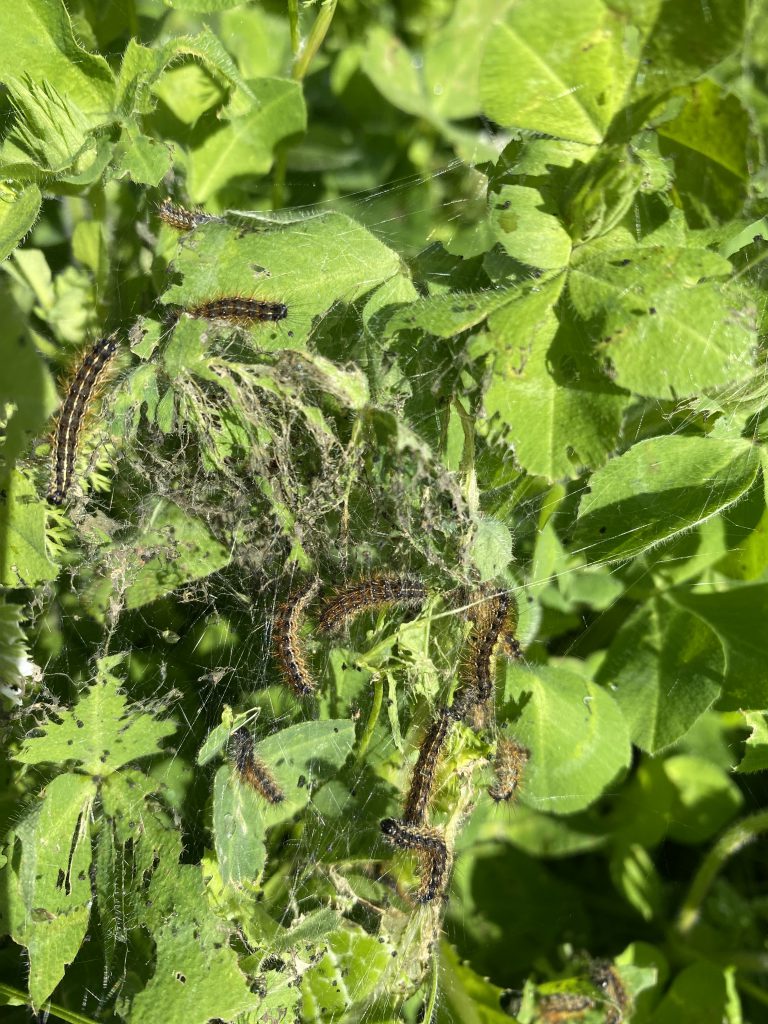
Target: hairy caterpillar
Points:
(477, 671)
(183, 220)
(73, 410)
(250, 769)
(605, 977)
(235, 309)
(509, 765)
(286, 643)
(559, 1007)
(368, 595)
(430, 845)
(423, 776)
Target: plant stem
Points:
(51, 1009)
(429, 1008)
(735, 839)
(314, 39)
(373, 717)
(293, 21)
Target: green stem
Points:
(314, 39)
(429, 1008)
(373, 717)
(735, 839)
(70, 1016)
(752, 990)
(293, 21)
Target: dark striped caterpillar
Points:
(423, 777)
(509, 765)
(286, 642)
(559, 1007)
(250, 770)
(430, 845)
(605, 977)
(183, 220)
(70, 421)
(478, 667)
(368, 595)
(235, 309)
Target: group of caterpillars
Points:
(93, 367)
(492, 613)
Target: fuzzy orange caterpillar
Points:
(67, 434)
(423, 777)
(430, 845)
(286, 642)
(176, 216)
(509, 765)
(250, 769)
(239, 310)
(369, 595)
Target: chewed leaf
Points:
(307, 266)
(50, 892)
(102, 732)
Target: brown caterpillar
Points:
(235, 309)
(559, 1007)
(286, 642)
(369, 595)
(423, 776)
(430, 845)
(183, 220)
(509, 765)
(73, 410)
(250, 769)
(478, 667)
(605, 977)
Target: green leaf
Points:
(101, 732)
(50, 892)
(666, 327)
(526, 224)
(346, 977)
(205, 6)
(40, 43)
(308, 267)
(192, 982)
(24, 560)
(18, 213)
(756, 750)
(737, 618)
(560, 69)
(299, 758)
(464, 995)
(452, 57)
(245, 145)
(183, 550)
(664, 669)
(697, 995)
(146, 161)
(705, 800)
(491, 547)
(659, 489)
(575, 732)
(577, 418)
